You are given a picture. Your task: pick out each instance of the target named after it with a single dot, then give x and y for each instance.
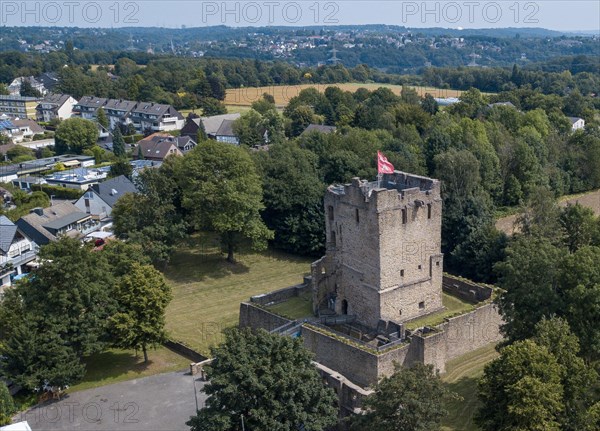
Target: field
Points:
(207, 290)
(461, 378)
(283, 93)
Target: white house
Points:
(16, 251)
(100, 199)
(577, 123)
(55, 106)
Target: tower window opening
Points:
(428, 211)
(357, 216)
(422, 305)
(404, 216)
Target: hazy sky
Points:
(552, 14)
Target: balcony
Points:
(24, 258)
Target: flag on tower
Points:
(383, 165)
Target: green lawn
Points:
(461, 378)
(453, 306)
(295, 308)
(207, 290)
(117, 365)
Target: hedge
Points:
(59, 192)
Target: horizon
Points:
(581, 16)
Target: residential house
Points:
(55, 106)
(156, 117)
(28, 183)
(19, 106)
(211, 125)
(80, 178)
(157, 147)
(226, 134)
(143, 115)
(9, 173)
(100, 199)
(118, 111)
(577, 123)
(49, 79)
(185, 144)
(20, 130)
(16, 251)
(14, 88)
(44, 225)
(87, 107)
(319, 128)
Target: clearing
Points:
(207, 290)
(283, 93)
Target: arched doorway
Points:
(344, 307)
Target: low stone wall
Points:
(466, 290)
(255, 317)
(282, 294)
(184, 350)
(358, 365)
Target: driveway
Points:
(163, 403)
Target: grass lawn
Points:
(295, 308)
(461, 377)
(207, 290)
(117, 365)
(453, 306)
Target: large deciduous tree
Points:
(222, 192)
(266, 381)
(411, 399)
(76, 134)
(142, 295)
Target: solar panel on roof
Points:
(6, 124)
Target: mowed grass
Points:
(283, 93)
(294, 308)
(461, 378)
(453, 306)
(117, 365)
(207, 290)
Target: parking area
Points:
(162, 402)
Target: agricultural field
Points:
(283, 93)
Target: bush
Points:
(7, 406)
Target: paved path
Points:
(163, 403)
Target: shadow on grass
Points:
(462, 410)
(111, 365)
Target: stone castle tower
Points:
(383, 260)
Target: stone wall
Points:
(466, 289)
(282, 294)
(255, 317)
(358, 365)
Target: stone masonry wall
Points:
(252, 316)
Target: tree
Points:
(222, 192)
(7, 406)
(118, 142)
(521, 390)
(293, 195)
(429, 104)
(201, 134)
(142, 295)
(152, 218)
(212, 106)
(27, 89)
(266, 381)
(101, 117)
(121, 167)
(76, 134)
(411, 399)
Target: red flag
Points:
(383, 166)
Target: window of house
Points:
(422, 305)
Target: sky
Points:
(561, 15)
